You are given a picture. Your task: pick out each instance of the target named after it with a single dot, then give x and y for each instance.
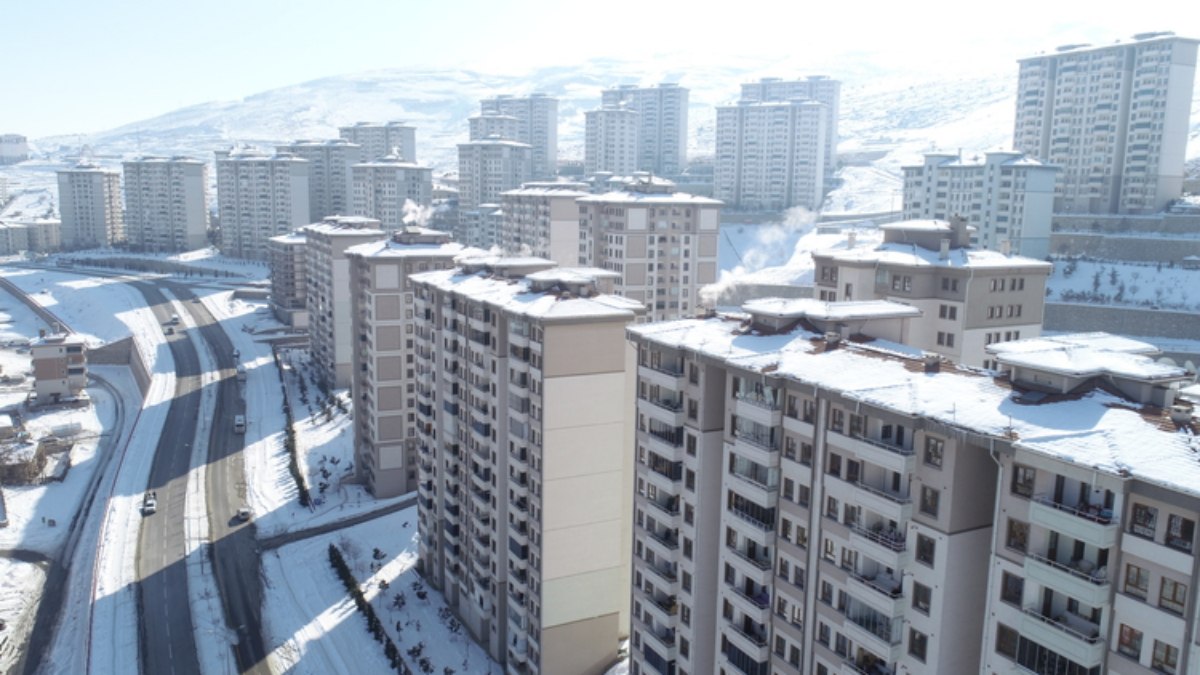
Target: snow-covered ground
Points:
(1123, 283)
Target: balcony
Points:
(667, 411)
(881, 543)
(891, 457)
(758, 407)
(668, 604)
(867, 664)
(890, 505)
(885, 593)
(665, 442)
(667, 504)
(1080, 579)
(1090, 524)
(1068, 634)
(669, 376)
(667, 538)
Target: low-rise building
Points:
(59, 366)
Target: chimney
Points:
(933, 363)
(832, 339)
(851, 238)
(944, 249)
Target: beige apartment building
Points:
(328, 296)
(383, 332)
(489, 123)
(537, 126)
(259, 196)
(611, 140)
(381, 140)
(820, 88)
(810, 500)
(59, 366)
(391, 190)
(542, 220)
(662, 242)
(523, 501)
(971, 298)
(166, 204)
(329, 184)
(89, 202)
(286, 256)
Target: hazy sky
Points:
(77, 66)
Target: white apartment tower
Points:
(383, 189)
(329, 162)
(1007, 197)
(662, 124)
(663, 243)
(383, 326)
(381, 140)
(542, 220)
(1113, 118)
(970, 297)
(286, 256)
(611, 141)
(166, 204)
(817, 88)
(493, 124)
(771, 154)
(89, 201)
(537, 125)
(259, 196)
(328, 296)
(486, 169)
(523, 438)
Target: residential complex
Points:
(59, 366)
(329, 165)
(970, 298)
(542, 220)
(812, 499)
(487, 168)
(381, 140)
(816, 88)
(89, 201)
(14, 238)
(523, 502)
(771, 154)
(661, 242)
(390, 189)
(286, 256)
(662, 124)
(1007, 197)
(537, 125)
(611, 140)
(259, 196)
(1113, 118)
(383, 326)
(13, 148)
(328, 298)
(492, 123)
(166, 204)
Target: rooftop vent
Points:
(933, 363)
(832, 339)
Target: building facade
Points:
(971, 297)
(166, 204)
(329, 173)
(486, 169)
(662, 243)
(537, 125)
(662, 124)
(391, 190)
(542, 220)
(383, 326)
(523, 515)
(611, 140)
(259, 196)
(817, 88)
(771, 154)
(492, 123)
(1007, 197)
(328, 301)
(286, 256)
(381, 140)
(1113, 118)
(13, 148)
(59, 366)
(89, 201)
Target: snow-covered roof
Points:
(494, 140)
(516, 296)
(572, 275)
(1087, 355)
(1098, 430)
(392, 161)
(915, 256)
(545, 190)
(346, 225)
(293, 237)
(795, 308)
(626, 197)
(926, 225)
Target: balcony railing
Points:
(668, 369)
(762, 563)
(887, 538)
(898, 449)
(665, 404)
(761, 599)
(753, 519)
(1077, 627)
(764, 441)
(758, 638)
(1094, 513)
(757, 400)
(890, 496)
(1094, 576)
(882, 584)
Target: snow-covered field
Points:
(1123, 283)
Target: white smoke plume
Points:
(415, 214)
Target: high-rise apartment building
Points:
(493, 124)
(329, 162)
(1113, 118)
(805, 503)
(771, 154)
(383, 326)
(13, 148)
(542, 220)
(524, 387)
(328, 298)
(1007, 197)
(970, 297)
(259, 196)
(383, 189)
(486, 169)
(166, 204)
(817, 88)
(611, 140)
(286, 256)
(537, 125)
(662, 124)
(381, 140)
(663, 243)
(89, 201)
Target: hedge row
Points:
(289, 441)
(374, 625)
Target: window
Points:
(922, 597)
(1022, 482)
(685, 615)
(949, 284)
(1144, 518)
(925, 549)
(1130, 642)
(831, 507)
(826, 596)
(1006, 641)
(823, 633)
(835, 464)
(1012, 588)
(945, 339)
(949, 312)
(1018, 535)
(837, 419)
(929, 501)
(1137, 581)
(1172, 596)
(830, 550)
(849, 558)
(934, 447)
(1180, 532)
(918, 643)
(1165, 659)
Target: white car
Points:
(149, 506)
(243, 514)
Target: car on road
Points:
(169, 330)
(149, 505)
(243, 514)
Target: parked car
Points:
(149, 505)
